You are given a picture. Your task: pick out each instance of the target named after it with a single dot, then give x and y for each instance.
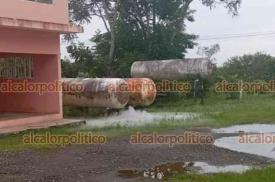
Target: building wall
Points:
(44, 47)
(45, 70)
(29, 42)
(28, 10)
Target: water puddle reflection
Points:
(232, 143)
(164, 171)
(205, 168)
(257, 139)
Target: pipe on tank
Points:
(142, 91)
(95, 92)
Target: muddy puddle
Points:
(158, 172)
(165, 171)
(132, 117)
(252, 128)
(232, 143)
(257, 139)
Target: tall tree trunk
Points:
(112, 19)
(102, 17)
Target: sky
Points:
(255, 17)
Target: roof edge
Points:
(39, 25)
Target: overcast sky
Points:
(255, 17)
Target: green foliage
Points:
(68, 69)
(251, 67)
(136, 30)
(160, 27)
(255, 175)
(85, 64)
(70, 111)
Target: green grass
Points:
(256, 175)
(14, 142)
(217, 112)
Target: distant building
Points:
(30, 55)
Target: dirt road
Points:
(101, 163)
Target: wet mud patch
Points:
(164, 171)
(159, 172)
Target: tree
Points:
(251, 67)
(161, 26)
(209, 52)
(84, 64)
(140, 29)
(83, 10)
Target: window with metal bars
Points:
(16, 67)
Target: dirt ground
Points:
(96, 163)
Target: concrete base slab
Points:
(41, 125)
(9, 120)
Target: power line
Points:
(215, 37)
(233, 36)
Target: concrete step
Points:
(41, 125)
